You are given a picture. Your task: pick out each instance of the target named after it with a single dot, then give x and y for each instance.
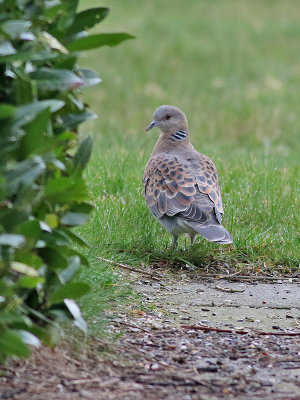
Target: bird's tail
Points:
(213, 233)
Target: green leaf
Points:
(36, 138)
(75, 237)
(56, 238)
(30, 229)
(23, 269)
(11, 343)
(101, 39)
(74, 219)
(27, 113)
(53, 258)
(71, 252)
(89, 77)
(81, 324)
(72, 290)
(27, 36)
(24, 173)
(6, 48)
(78, 215)
(57, 163)
(52, 42)
(28, 338)
(66, 61)
(52, 220)
(73, 265)
(66, 19)
(52, 7)
(10, 239)
(64, 190)
(29, 258)
(15, 27)
(14, 317)
(24, 89)
(67, 135)
(58, 185)
(75, 311)
(73, 308)
(6, 111)
(29, 282)
(45, 227)
(11, 217)
(83, 153)
(87, 19)
(72, 120)
(61, 80)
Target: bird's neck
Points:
(167, 144)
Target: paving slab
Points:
(260, 306)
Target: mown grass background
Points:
(234, 67)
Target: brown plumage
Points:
(181, 186)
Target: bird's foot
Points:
(192, 238)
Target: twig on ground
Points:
(155, 379)
(250, 278)
(229, 290)
(279, 333)
(107, 383)
(127, 267)
(134, 326)
(72, 360)
(238, 331)
(211, 328)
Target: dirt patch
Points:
(161, 356)
(153, 363)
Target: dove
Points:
(180, 185)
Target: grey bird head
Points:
(169, 120)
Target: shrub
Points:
(42, 191)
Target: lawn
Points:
(234, 67)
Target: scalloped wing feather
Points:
(187, 189)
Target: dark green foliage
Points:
(42, 191)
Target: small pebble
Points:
(156, 285)
(154, 367)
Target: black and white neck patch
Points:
(179, 135)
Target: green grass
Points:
(233, 67)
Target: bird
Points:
(180, 185)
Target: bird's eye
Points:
(167, 116)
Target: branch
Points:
(133, 326)
(234, 277)
(228, 290)
(238, 331)
(127, 267)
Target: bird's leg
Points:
(174, 241)
(192, 238)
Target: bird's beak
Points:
(152, 125)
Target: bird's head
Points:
(169, 120)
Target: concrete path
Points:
(259, 306)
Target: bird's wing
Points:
(173, 186)
(207, 180)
